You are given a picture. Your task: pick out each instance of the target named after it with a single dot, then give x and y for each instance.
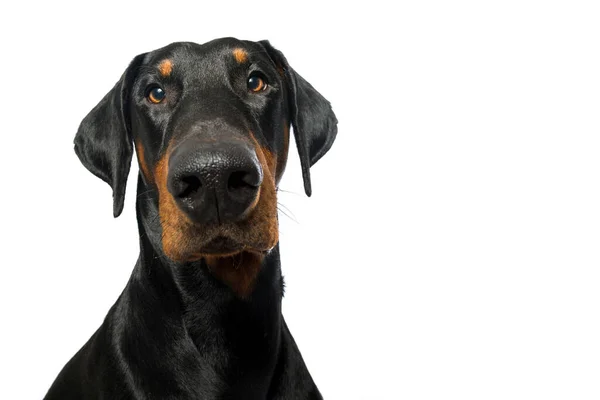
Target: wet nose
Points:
(214, 182)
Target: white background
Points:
(451, 246)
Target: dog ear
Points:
(103, 142)
(313, 120)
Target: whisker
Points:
(292, 217)
(288, 191)
(284, 206)
(287, 209)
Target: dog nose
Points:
(214, 182)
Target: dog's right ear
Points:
(313, 120)
(103, 142)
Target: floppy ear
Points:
(103, 142)
(313, 120)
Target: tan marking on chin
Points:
(240, 55)
(239, 271)
(165, 67)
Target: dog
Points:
(200, 317)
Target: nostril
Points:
(189, 186)
(241, 180)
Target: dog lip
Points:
(222, 245)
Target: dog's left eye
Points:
(156, 95)
(256, 83)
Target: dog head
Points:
(210, 125)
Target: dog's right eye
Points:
(256, 83)
(156, 95)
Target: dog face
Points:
(210, 125)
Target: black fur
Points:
(177, 332)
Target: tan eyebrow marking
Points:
(240, 55)
(165, 67)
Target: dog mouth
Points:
(222, 245)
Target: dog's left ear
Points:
(313, 120)
(103, 142)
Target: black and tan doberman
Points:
(200, 317)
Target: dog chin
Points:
(223, 247)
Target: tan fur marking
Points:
(165, 67)
(142, 160)
(268, 196)
(174, 223)
(239, 271)
(241, 55)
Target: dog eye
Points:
(156, 95)
(256, 83)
